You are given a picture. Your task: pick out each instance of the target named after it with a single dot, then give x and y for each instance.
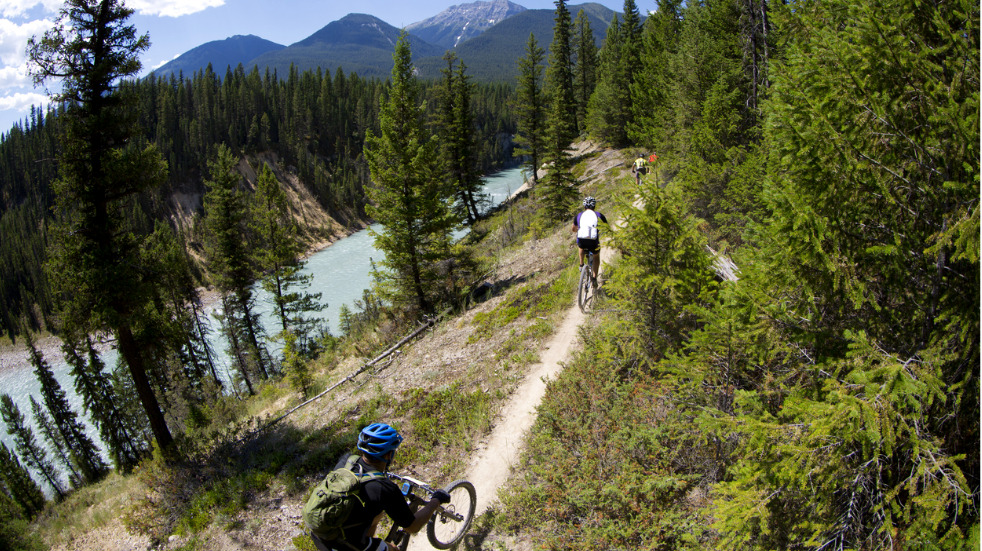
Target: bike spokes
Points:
(452, 520)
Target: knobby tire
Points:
(586, 284)
(451, 521)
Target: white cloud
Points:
(170, 8)
(14, 36)
(163, 8)
(19, 8)
(13, 77)
(22, 101)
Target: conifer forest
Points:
(828, 398)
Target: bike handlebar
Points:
(413, 482)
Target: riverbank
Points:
(14, 357)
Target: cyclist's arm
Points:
(399, 511)
(423, 515)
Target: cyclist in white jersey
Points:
(585, 225)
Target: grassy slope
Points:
(442, 392)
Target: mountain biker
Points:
(378, 443)
(640, 167)
(585, 225)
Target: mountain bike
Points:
(450, 521)
(586, 289)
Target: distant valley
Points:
(489, 37)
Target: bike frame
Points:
(417, 493)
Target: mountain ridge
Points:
(461, 22)
(363, 44)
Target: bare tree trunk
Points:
(130, 351)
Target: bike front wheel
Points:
(451, 521)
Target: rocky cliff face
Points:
(458, 23)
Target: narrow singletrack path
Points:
(491, 466)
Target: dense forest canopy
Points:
(314, 122)
(828, 398)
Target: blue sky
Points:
(176, 26)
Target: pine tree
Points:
(95, 263)
(182, 323)
(409, 198)
(584, 65)
(230, 261)
(530, 108)
(346, 320)
(611, 107)
(19, 484)
(715, 137)
(55, 443)
(99, 400)
(559, 78)
(559, 190)
(458, 143)
(651, 117)
(602, 110)
(281, 262)
(85, 456)
(297, 371)
(31, 453)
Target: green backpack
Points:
(331, 502)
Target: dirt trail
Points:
(491, 467)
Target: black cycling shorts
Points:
(592, 245)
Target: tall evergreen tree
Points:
(530, 107)
(715, 137)
(55, 443)
(584, 65)
(230, 260)
(19, 484)
(558, 192)
(85, 456)
(559, 77)
(103, 282)
(409, 198)
(458, 143)
(603, 121)
(31, 453)
(99, 400)
(181, 323)
(651, 117)
(281, 262)
(237, 348)
(620, 61)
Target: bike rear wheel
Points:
(585, 287)
(451, 521)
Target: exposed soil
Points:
(272, 521)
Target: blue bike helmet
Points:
(378, 439)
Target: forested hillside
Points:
(827, 398)
(314, 122)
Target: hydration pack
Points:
(329, 505)
(587, 223)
